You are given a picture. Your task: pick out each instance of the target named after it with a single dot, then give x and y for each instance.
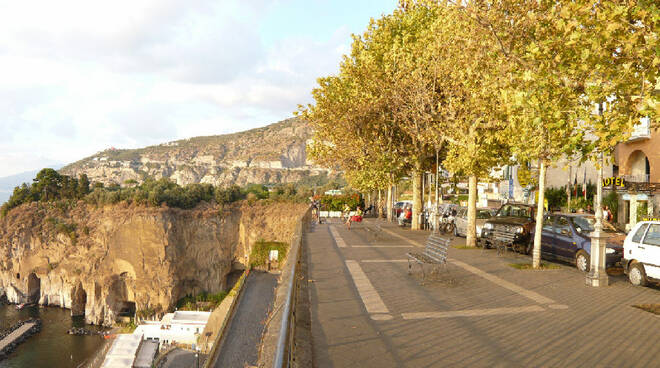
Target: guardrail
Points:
(278, 347)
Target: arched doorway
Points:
(78, 301)
(34, 288)
(120, 300)
(638, 166)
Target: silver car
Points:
(461, 221)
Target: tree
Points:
(47, 184)
(468, 74)
(566, 53)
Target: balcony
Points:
(640, 178)
(641, 131)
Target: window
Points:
(483, 214)
(547, 223)
(653, 235)
(515, 211)
(562, 227)
(640, 232)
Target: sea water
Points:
(52, 347)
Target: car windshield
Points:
(586, 224)
(511, 210)
(484, 214)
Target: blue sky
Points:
(79, 76)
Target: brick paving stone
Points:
(598, 328)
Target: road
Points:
(241, 344)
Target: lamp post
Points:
(597, 275)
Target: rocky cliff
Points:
(272, 154)
(104, 262)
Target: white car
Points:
(461, 220)
(641, 253)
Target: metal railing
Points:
(284, 350)
(639, 178)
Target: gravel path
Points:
(241, 344)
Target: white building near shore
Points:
(182, 327)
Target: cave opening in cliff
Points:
(119, 299)
(78, 301)
(34, 288)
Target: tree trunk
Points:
(471, 237)
(388, 205)
(417, 199)
(379, 205)
(536, 254)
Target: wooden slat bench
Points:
(435, 252)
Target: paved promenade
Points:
(368, 312)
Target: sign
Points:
(614, 181)
(273, 255)
(650, 219)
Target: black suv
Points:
(511, 227)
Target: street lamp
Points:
(597, 275)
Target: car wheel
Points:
(637, 275)
(582, 261)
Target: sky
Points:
(80, 76)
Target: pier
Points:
(20, 333)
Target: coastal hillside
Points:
(102, 261)
(269, 155)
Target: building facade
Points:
(638, 164)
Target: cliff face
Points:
(109, 261)
(272, 154)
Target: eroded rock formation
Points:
(104, 262)
(273, 154)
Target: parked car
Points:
(566, 237)
(641, 253)
(461, 220)
(511, 226)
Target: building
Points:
(638, 164)
(516, 182)
(181, 327)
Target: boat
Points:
(23, 305)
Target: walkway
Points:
(241, 344)
(368, 312)
(15, 335)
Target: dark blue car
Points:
(566, 237)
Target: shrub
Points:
(261, 250)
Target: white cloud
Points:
(78, 76)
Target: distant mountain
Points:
(8, 183)
(273, 154)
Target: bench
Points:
(374, 229)
(435, 252)
(502, 241)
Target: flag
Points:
(575, 185)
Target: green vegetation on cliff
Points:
(51, 186)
